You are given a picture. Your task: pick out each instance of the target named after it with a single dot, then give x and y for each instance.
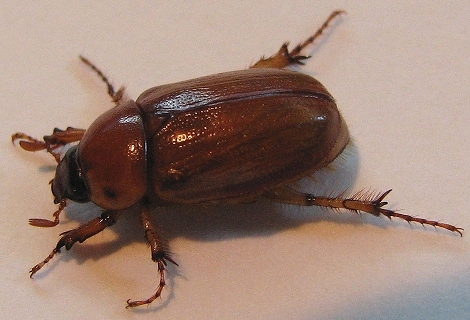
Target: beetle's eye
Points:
(68, 182)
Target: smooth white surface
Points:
(400, 73)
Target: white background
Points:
(400, 73)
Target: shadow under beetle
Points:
(226, 138)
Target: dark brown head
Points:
(69, 182)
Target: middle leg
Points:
(160, 255)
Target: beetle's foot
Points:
(38, 267)
(296, 51)
(368, 202)
(284, 58)
(116, 96)
(162, 262)
(160, 254)
(390, 213)
(80, 234)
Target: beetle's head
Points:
(68, 182)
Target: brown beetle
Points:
(225, 138)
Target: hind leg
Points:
(368, 203)
(284, 57)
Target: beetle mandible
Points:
(225, 138)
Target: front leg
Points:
(160, 255)
(52, 144)
(80, 234)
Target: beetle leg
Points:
(160, 255)
(63, 137)
(52, 144)
(79, 234)
(116, 96)
(284, 58)
(361, 201)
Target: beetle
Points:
(226, 138)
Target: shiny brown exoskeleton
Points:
(225, 138)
